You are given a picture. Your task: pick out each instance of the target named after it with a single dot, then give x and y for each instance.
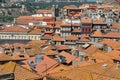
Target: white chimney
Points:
(117, 65)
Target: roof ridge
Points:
(27, 69)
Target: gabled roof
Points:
(44, 11)
(69, 58)
(57, 38)
(104, 69)
(116, 25)
(63, 47)
(70, 7)
(59, 69)
(46, 64)
(35, 31)
(66, 25)
(97, 34)
(71, 37)
(20, 72)
(114, 54)
(86, 20)
(20, 56)
(14, 29)
(111, 43)
(89, 50)
(112, 35)
(99, 22)
(4, 57)
(102, 56)
(49, 52)
(73, 74)
(76, 30)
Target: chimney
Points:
(14, 21)
(117, 65)
(38, 58)
(24, 50)
(93, 60)
(81, 58)
(31, 64)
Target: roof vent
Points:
(104, 65)
(31, 64)
(38, 58)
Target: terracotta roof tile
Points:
(73, 74)
(112, 35)
(99, 22)
(103, 69)
(20, 56)
(57, 38)
(111, 43)
(63, 47)
(21, 45)
(44, 11)
(50, 52)
(65, 25)
(35, 31)
(69, 58)
(46, 64)
(116, 25)
(86, 20)
(59, 69)
(76, 30)
(97, 34)
(4, 57)
(102, 56)
(20, 72)
(71, 37)
(70, 7)
(14, 29)
(114, 54)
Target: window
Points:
(21, 56)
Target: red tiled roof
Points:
(44, 11)
(20, 56)
(99, 22)
(63, 47)
(86, 20)
(35, 31)
(14, 29)
(71, 37)
(44, 65)
(114, 54)
(97, 34)
(65, 25)
(20, 73)
(112, 35)
(76, 30)
(4, 57)
(116, 25)
(69, 58)
(57, 38)
(113, 44)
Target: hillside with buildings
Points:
(112, 2)
(70, 43)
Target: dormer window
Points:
(21, 56)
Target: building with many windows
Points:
(19, 33)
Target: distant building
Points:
(19, 33)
